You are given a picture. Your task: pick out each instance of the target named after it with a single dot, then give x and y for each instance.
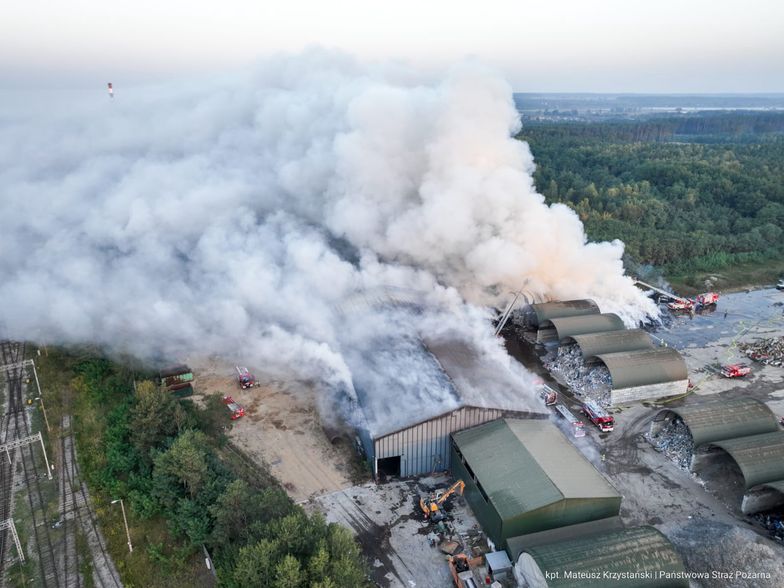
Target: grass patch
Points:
(736, 277)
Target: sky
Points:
(684, 46)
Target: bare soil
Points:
(281, 429)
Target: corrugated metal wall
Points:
(424, 448)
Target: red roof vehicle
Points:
(575, 424)
(547, 394)
(236, 410)
(245, 378)
(598, 416)
(736, 370)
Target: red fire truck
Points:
(575, 424)
(736, 370)
(598, 416)
(547, 394)
(235, 410)
(245, 378)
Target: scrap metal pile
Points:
(674, 440)
(767, 351)
(588, 381)
(773, 522)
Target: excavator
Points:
(431, 505)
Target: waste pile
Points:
(767, 351)
(773, 522)
(588, 381)
(674, 440)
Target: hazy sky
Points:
(550, 45)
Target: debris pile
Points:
(674, 440)
(773, 522)
(588, 381)
(767, 351)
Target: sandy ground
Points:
(281, 429)
(394, 537)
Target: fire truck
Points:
(245, 378)
(575, 424)
(598, 416)
(547, 394)
(736, 370)
(235, 410)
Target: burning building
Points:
(438, 387)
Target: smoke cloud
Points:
(259, 215)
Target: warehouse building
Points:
(563, 329)
(760, 459)
(545, 311)
(592, 345)
(523, 476)
(641, 555)
(408, 412)
(647, 373)
(718, 419)
(638, 370)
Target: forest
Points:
(185, 490)
(687, 194)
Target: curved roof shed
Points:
(646, 367)
(581, 325)
(725, 418)
(759, 457)
(594, 344)
(545, 311)
(640, 554)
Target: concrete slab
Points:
(393, 535)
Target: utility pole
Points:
(9, 524)
(125, 522)
(40, 396)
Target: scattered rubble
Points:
(588, 381)
(674, 440)
(773, 522)
(767, 351)
(721, 550)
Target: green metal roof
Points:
(759, 457)
(593, 344)
(726, 418)
(549, 310)
(775, 485)
(523, 465)
(638, 550)
(629, 369)
(581, 325)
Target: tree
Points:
(184, 463)
(288, 573)
(152, 417)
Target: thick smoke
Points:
(252, 216)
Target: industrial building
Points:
(647, 373)
(742, 429)
(718, 419)
(523, 476)
(638, 370)
(564, 328)
(436, 388)
(641, 556)
(760, 459)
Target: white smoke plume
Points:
(243, 216)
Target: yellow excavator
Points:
(431, 505)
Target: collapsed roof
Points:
(402, 381)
